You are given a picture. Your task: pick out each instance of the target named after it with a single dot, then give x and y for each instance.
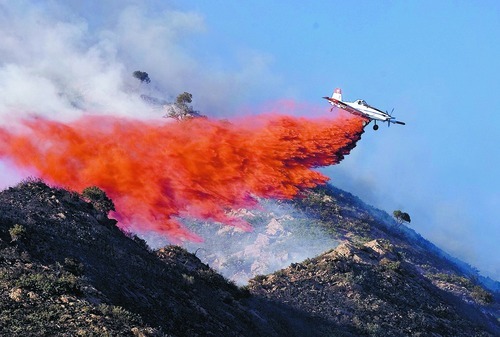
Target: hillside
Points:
(328, 217)
(67, 270)
(368, 290)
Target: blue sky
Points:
(435, 62)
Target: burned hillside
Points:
(67, 269)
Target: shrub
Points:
(17, 232)
(481, 295)
(141, 242)
(73, 266)
(188, 279)
(393, 265)
(454, 279)
(98, 199)
(49, 285)
(243, 293)
(120, 314)
(259, 278)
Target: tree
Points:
(180, 110)
(142, 76)
(401, 217)
(183, 99)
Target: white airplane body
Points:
(361, 108)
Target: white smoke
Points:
(63, 59)
(53, 68)
(281, 236)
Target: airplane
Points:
(361, 108)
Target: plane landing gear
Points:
(375, 127)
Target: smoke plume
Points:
(201, 168)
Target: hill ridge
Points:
(66, 269)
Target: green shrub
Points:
(98, 199)
(120, 314)
(73, 266)
(393, 265)
(49, 285)
(17, 232)
(454, 279)
(481, 295)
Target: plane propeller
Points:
(390, 117)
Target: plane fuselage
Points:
(362, 109)
(369, 111)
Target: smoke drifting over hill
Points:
(62, 60)
(156, 171)
(71, 112)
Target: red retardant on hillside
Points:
(156, 171)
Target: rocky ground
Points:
(67, 270)
(369, 290)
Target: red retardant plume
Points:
(201, 168)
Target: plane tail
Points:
(337, 94)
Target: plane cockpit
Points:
(361, 102)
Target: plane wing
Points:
(345, 107)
